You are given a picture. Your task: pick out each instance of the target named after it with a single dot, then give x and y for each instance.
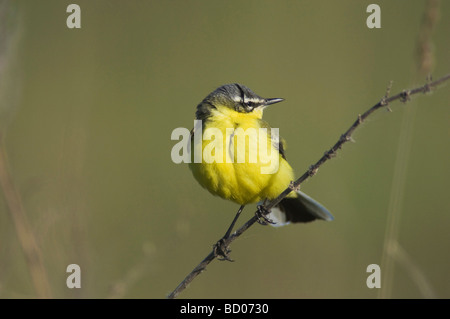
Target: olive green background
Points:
(87, 120)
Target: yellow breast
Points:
(239, 162)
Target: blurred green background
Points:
(87, 115)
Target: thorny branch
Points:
(403, 96)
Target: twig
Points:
(401, 256)
(23, 229)
(425, 61)
(403, 96)
(425, 58)
(9, 37)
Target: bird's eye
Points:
(249, 105)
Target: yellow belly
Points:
(222, 171)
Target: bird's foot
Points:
(222, 250)
(262, 213)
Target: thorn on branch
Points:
(384, 101)
(344, 138)
(312, 170)
(292, 186)
(360, 120)
(405, 96)
(330, 154)
(427, 86)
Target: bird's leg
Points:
(220, 249)
(262, 213)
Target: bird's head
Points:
(234, 97)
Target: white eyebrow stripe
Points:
(254, 100)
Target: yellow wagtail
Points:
(243, 159)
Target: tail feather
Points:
(301, 209)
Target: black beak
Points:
(273, 101)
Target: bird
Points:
(230, 135)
